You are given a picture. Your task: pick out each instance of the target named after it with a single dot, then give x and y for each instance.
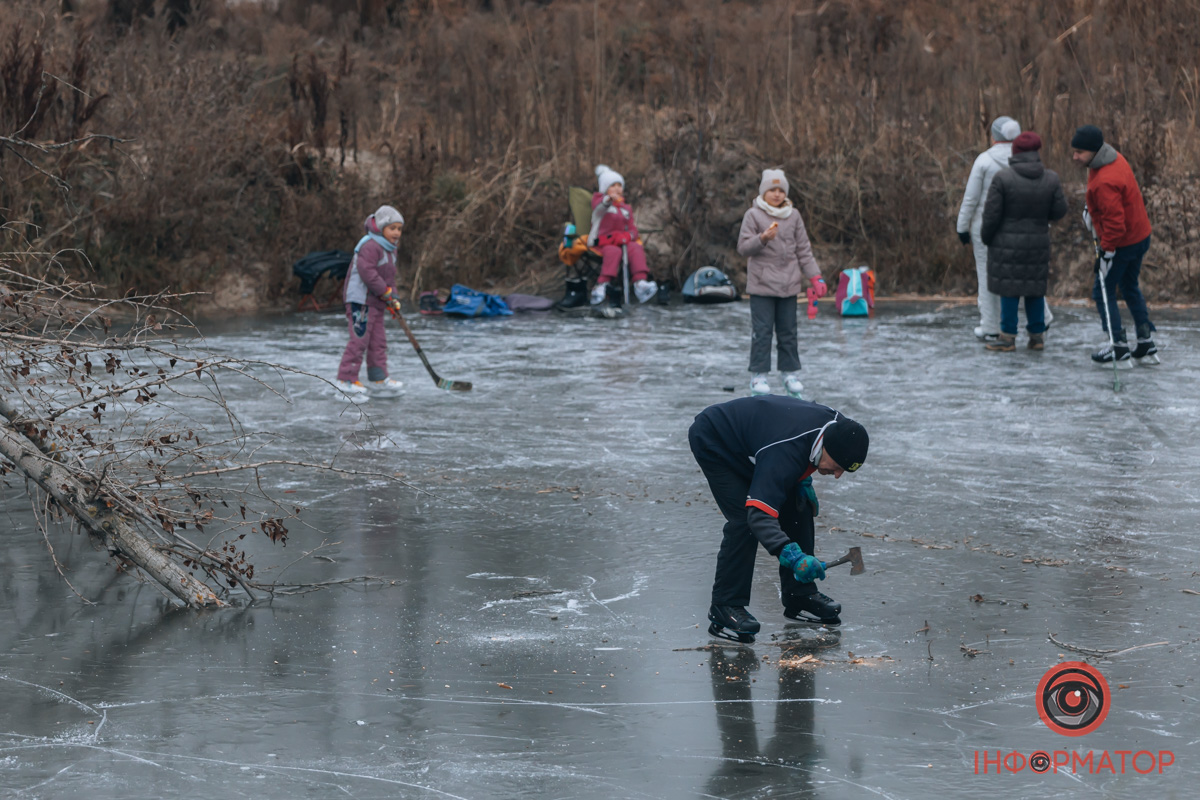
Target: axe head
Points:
(856, 562)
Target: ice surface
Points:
(552, 577)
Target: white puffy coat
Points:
(989, 162)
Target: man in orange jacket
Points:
(1115, 214)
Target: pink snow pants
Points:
(367, 336)
(612, 263)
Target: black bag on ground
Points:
(310, 268)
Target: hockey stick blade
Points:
(442, 383)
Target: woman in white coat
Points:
(970, 220)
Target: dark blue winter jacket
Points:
(781, 437)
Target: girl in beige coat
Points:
(779, 264)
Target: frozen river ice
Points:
(549, 578)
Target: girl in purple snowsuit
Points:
(369, 292)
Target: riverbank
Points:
(208, 151)
(245, 302)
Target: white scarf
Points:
(783, 212)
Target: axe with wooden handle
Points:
(855, 559)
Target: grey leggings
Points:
(777, 314)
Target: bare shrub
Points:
(254, 123)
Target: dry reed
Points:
(262, 132)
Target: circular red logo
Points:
(1072, 698)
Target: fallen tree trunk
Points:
(93, 514)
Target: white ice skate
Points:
(759, 385)
(353, 391)
(386, 388)
(644, 290)
(983, 336)
(793, 386)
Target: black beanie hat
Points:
(1087, 137)
(846, 443)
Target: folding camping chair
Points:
(582, 263)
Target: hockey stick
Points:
(442, 383)
(1108, 319)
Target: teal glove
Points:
(810, 494)
(805, 568)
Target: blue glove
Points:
(810, 494)
(805, 568)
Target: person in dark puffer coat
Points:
(1022, 202)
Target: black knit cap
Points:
(845, 441)
(1087, 137)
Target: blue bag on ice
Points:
(467, 302)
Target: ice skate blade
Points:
(805, 619)
(1148, 361)
(721, 633)
(1126, 364)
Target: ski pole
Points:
(1108, 319)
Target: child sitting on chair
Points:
(613, 228)
(370, 290)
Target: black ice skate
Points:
(1109, 353)
(815, 608)
(741, 623)
(1146, 353)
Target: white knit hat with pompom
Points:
(607, 176)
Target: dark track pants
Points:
(729, 479)
(773, 315)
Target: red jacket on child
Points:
(616, 225)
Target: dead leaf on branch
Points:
(275, 530)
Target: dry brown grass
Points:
(246, 123)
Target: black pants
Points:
(729, 479)
(778, 315)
